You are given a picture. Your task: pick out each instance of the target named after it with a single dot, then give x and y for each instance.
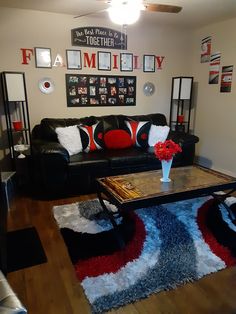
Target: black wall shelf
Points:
(181, 102)
(16, 108)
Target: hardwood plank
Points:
(53, 288)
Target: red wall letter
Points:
(115, 66)
(159, 61)
(26, 56)
(91, 62)
(136, 64)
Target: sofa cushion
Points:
(117, 139)
(126, 158)
(113, 122)
(69, 137)
(88, 160)
(139, 132)
(154, 118)
(157, 134)
(49, 125)
(91, 137)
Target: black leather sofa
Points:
(58, 173)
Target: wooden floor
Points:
(52, 288)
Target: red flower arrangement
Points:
(166, 150)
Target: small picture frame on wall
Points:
(73, 58)
(43, 57)
(126, 62)
(148, 63)
(104, 61)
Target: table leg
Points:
(110, 216)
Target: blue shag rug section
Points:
(165, 246)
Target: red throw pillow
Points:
(117, 139)
(91, 137)
(139, 132)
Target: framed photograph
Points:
(148, 63)
(104, 61)
(43, 57)
(126, 62)
(73, 58)
(100, 90)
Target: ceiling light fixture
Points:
(125, 12)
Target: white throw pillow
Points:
(157, 133)
(69, 137)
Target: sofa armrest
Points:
(50, 165)
(183, 138)
(187, 143)
(40, 147)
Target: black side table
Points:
(8, 182)
(23, 170)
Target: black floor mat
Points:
(24, 249)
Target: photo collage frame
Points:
(100, 90)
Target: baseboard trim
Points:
(228, 172)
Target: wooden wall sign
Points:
(100, 37)
(100, 90)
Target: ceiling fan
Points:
(153, 7)
(125, 12)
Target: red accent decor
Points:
(115, 66)
(17, 125)
(99, 265)
(91, 137)
(215, 247)
(180, 118)
(117, 139)
(134, 126)
(100, 136)
(26, 55)
(159, 60)
(90, 62)
(92, 145)
(47, 84)
(137, 65)
(139, 132)
(166, 150)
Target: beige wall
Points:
(28, 29)
(216, 112)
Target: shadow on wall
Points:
(203, 161)
(194, 106)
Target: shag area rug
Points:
(166, 246)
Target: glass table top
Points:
(143, 185)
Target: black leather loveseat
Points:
(57, 172)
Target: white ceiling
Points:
(195, 13)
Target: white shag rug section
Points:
(70, 216)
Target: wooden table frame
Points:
(105, 191)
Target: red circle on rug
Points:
(100, 265)
(218, 249)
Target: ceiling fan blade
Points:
(90, 13)
(162, 8)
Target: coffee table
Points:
(144, 189)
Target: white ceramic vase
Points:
(166, 165)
